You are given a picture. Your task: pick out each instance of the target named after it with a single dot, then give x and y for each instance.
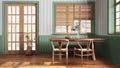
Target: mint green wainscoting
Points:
(2, 45)
(109, 49)
(43, 46)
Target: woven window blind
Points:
(64, 15)
(67, 13)
(83, 11)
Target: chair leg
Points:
(53, 57)
(66, 57)
(82, 57)
(94, 58)
(93, 53)
(74, 56)
(60, 56)
(87, 55)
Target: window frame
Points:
(92, 18)
(115, 12)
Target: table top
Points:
(79, 39)
(59, 39)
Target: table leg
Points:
(60, 55)
(88, 47)
(94, 58)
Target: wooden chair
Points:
(88, 50)
(60, 49)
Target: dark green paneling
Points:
(2, 45)
(44, 44)
(109, 49)
(111, 20)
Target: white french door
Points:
(20, 22)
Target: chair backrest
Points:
(88, 43)
(79, 43)
(60, 41)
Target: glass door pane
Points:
(30, 26)
(13, 15)
(21, 22)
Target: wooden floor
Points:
(44, 61)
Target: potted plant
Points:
(76, 28)
(29, 45)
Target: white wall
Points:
(45, 14)
(101, 17)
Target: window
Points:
(117, 17)
(69, 15)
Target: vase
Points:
(68, 36)
(77, 36)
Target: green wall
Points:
(2, 45)
(109, 49)
(44, 45)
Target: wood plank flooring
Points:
(44, 61)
